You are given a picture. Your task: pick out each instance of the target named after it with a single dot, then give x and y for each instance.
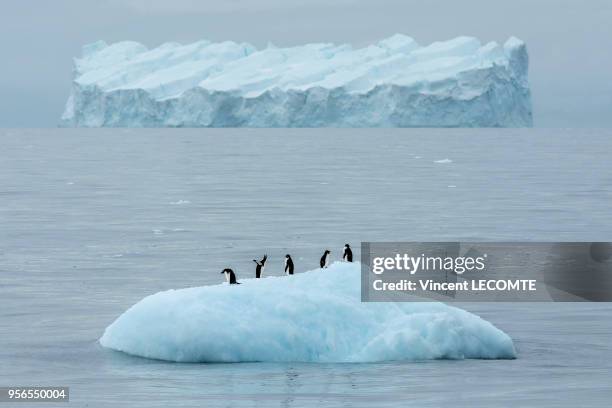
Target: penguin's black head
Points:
(347, 245)
(227, 270)
(327, 251)
(287, 256)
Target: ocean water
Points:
(91, 221)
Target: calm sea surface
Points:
(91, 221)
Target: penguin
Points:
(230, 276)
(347, 256)
(288, 265)
(325, 259)
(260, 266)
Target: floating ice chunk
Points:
(393, 83)
(180, 202)
(315, 316)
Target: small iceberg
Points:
(316, 316)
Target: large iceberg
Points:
(394, 83)
(315, 316)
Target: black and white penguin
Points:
(347, 256)
(325, 259)
(230, 276)
(260, 266)
(288, 265)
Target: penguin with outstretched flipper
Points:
(260, 266)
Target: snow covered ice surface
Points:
(394, 83)
(316, 316)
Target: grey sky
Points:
(570, 41)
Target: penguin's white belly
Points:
(227, 277)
